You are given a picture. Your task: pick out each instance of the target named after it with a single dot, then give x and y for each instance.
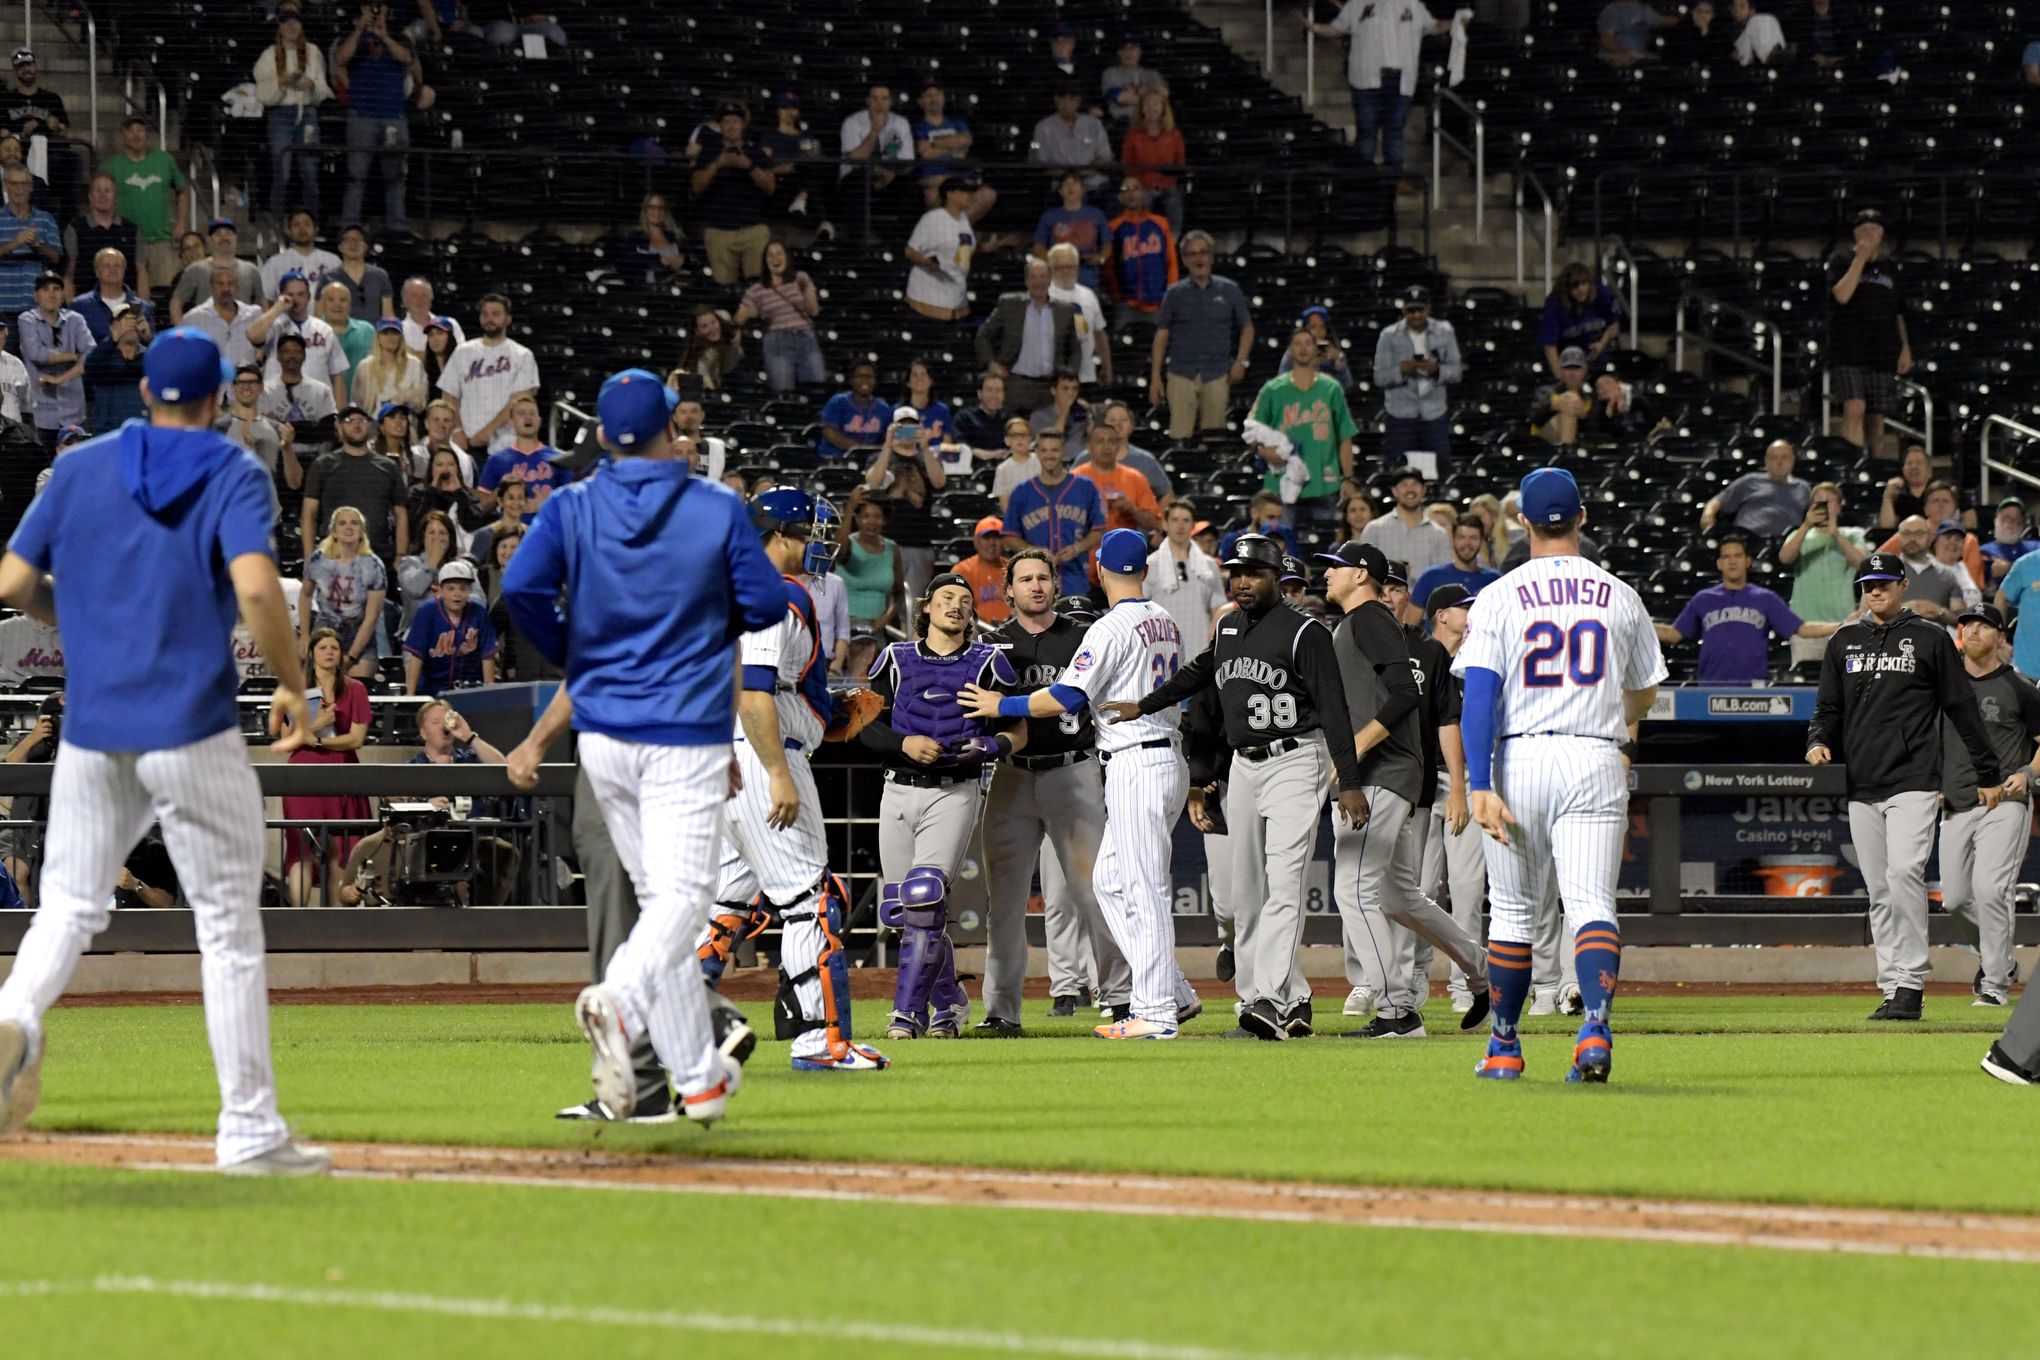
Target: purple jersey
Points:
(922, 687)
(1735, 628)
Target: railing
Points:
(1550, 234)
(1622, 253)
(1990, 465)
(1477, 153)
(1707, 344)
(1924, 432)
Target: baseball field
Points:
(1766, 1175)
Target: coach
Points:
(1885, 683)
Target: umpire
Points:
(1284, 706)
(1886, 680)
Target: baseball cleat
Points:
(1226, 966)
(1570, 1002)
(1262, 1020)
(734, 1037)
(1986, 997)
(1116, 1011)
(1189, 1011)
(1462, 1002)
(1593, 1055)
(2000, 1065)
(1408, 1025)
(710, 1105)
(20, 1079)
(852, 1058)
(1296, 1021)
(1504, 1061)
(1062, 1008)
(1135, 1028)
(1359, 1003)
(996, 1027)
(287, 1158)
(615, 1080)
(1477, 1009)
(905, 1027)
(1544, 1001)
(654, 1107)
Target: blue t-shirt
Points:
(936, 419)
(144, 601)
(1085, 228)
(865, 421)
(375, 80)
(534, 469)
(1735, 628)
(924, 130)
(2020, 595)
(1451, 574)
(1056, 517)
(452, 652)
(2008, 553)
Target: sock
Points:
(1508, 985)
(1597, 954)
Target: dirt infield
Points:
(1878, 1232)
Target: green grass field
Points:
(1779, 1099)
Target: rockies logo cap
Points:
(1881, 566)
(1354, 553)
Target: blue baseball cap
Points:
(1549, 496)
(389, 323)
(635, 406)
(1124, 551)
(290, 274)
(183, 364)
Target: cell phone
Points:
(691, 388)
(907, 429)
(312, 702)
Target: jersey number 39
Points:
(1579, 654)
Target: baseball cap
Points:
(183, 364)
(23, 56)
(1124, 551)
(1354, 553)
(786, 99)
(1202, 526)
(1867, 215)
(353, 408)
(1548, 496)
(1572, 356)
(49, 278)
(948, 578)
(458, 569)
(1062, 31)
(634, 406)
(960, 183)
(1130, 38)
(290, 274)
(1453, 596)
(2011, 500)
(441, 323)
(221, 224)
(1881, 566)
(1950, 526)
(390, 408)
(72, 434)
(1293, 569)
(1416, 295)
(905, 415)
(1315, 310)
(729, 108)
(1398, 573)
(1403, 474)
(931, 81)
(1982, 613)
(990, 524)
(389, 323)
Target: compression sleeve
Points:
(761, 678)
(1477, 726)
(1070, 697)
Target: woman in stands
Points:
(347, 584)
(1331, 355)
(653, 252)
(935, 415)
(1581, 312)
(389, 373)
(438, 350)
(290, 80)
(516, 658)
(714, 347)
(1153, 153)
(1356, 512)
(871, 568)
(1906, 494)
(446, 492)
(417, 574)
(510, 520)
(338, 730)
(392, 435)
(786, 301)
(1495, 531)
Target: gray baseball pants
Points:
(1551, 944)
(1067, 935)
(1376, 868)
(1272, 811)
(919, 826)
(1980, 855)
(1892, 838)
(2021, 1039)
(612, 911)
(1219, 889)
(1455, 871)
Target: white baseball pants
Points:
(1571, 804)
(1145, 789)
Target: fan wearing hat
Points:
(1887, 681)
(1558, 407)
(730, 182)
(54, 342)
(1416, 363)
(985, 569)
(2011, 539)
(1867, 349)
(942, 140)
(940, 251)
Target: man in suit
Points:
(1028, 337)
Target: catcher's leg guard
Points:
(730, 923)
(950, 1002)
(914, 906)
(836, 959)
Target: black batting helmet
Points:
(1256, 550)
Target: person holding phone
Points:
(908, 472)
(1823, 555)
(339, 725)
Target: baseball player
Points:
(1131, 650)
(1560, 663)
(1377, 862)
(1210, 760)
(177, 524)
(934, 757)
(1981, 848)
(1453, 869)
(661, 574)
(1886, 680)
(1285, 719)
(1052, 795)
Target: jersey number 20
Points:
(1579, 653)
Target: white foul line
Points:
(510, 1310)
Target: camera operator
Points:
(447, 739)
(1823, 554)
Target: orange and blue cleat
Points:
(1504, 1060)
(1593, 1055)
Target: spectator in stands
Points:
(1406, 534)
(731, 180)
(242, 421)
(1468, 567)
(526, 457)
(339, 727)
(418, 316)
(113, 374)
(1061, 514)
(1765, 504)
(652, 252)
(390, 372)
(1761, 37)
(54, 343)
(447, 492)
(291, 398)
(1735, 622)
(300, 254)
(1383, 42)
(1066, 414)
(1203, 337)
(347, 582)
(1952, 544)
(1078, 223)
(785, 299)
(871, 567)
(942, 142)
(2011, 538)
(1124, 84)
(451, 641)
(102, 228)
(376, 64)
(1153, 153)
(32, 112)
(1941, 507)
(355, 336)
(528, 22)
(714, 347)
(441, 419)
(1824, 33)
(1029, 338)
(876, 143)
(1071, 139)
(1867, 342)
(1264, 516)
(290, 80)
(985, 569)
(939, 253)
(1627, 27)
(1931, 590)
(1128, 499)
(1093, 340)
(110, 296)
(194, 281)
(1308, 407)
(1064, 66)
(1331, 354)
(190, 249)
(511, 504)
(1581, 313)
(1619, 415)
(936, 418)
(367, 285)
(1494, 528)
(440, 344)
(1143, 266)
(791, 150)
(392, 437)
(1184, 579)
(1018, 465)
(484, 374)
(30, 244)
(1119, 416)
(1823, 554)
(1356, 512)
(907, 474)
(1702, 40)
(151, 194)
(1906, 494)
(855, 420)
(355, 477)
(1416, 363)
(1556, 409)
(2016, 592)
(291, 314)
(11, 155)
(983, 426)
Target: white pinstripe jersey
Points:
(1567, 638)
(791, 648)
(1128, 654)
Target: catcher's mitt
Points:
(854, 708)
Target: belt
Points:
(1048, 762)
(1576, 736)
(1272, 749)
(1157, 744)
(929, 779)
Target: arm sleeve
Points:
(1387, 373)
(532, 584)
(1319, 667)
(32, 537)
(2029, 706)
(418, 637)
(1477, 726)
(1376, 634)
(1784, 622)
(1643, 662)
(758, 591)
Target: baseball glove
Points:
(854, 708)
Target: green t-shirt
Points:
(356, 342)
(1824, 586)
(1317, 420)
(145, 191)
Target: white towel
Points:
(1455, 61)
(1294, 470)
(39, 157)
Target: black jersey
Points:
(1039, 659)
(1437, 709)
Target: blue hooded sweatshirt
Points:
(657, 574)
(137, 528)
